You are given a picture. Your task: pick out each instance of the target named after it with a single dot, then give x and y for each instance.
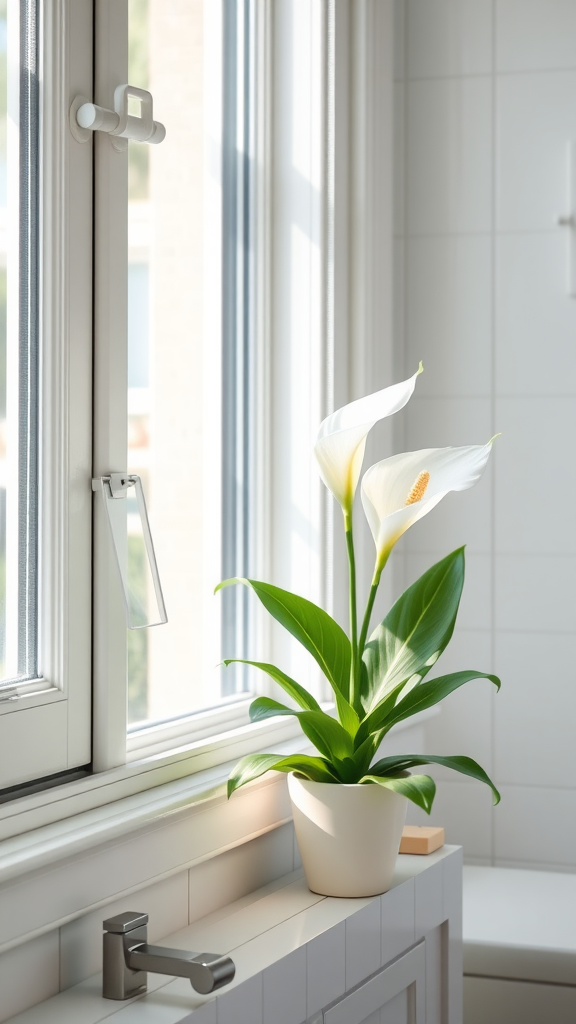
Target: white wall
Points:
(54, 961)
(485, 107)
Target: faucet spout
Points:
(206, 971)
(128, 958)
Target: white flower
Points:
(341, 438)
(398, 491)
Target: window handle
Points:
(134, 549)
(87, 117)
(127, 958)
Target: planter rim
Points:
(345, 785)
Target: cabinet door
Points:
(395, 995)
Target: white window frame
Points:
(67, 244)
(46, 729)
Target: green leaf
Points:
(322, 637)
(327, 735)
(265, 707)
(364, 753)
(374, 723)
(301, 696)
(346, 714)
(254, 765)
(432, 692)
(420, 789)
(464, 765)
(416, 630)
(347, 770)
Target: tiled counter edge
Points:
(295, 952)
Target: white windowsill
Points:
(81, 851)
(154, 770)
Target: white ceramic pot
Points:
(348, 836)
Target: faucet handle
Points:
(126, 922)
(127, 959)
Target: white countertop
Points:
(257, 932)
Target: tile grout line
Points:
(457, 76)
(405, 177)
(493, 410)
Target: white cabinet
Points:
(394, 995)
(301, 957)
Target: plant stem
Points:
(371, 598)
(353, 613)
(368, 613)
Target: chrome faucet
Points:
(128, 957)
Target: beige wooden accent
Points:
(421, 839)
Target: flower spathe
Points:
(341, 438)
(398, 491)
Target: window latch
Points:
(127, 517)
(87, 117)
(8, 693)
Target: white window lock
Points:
(133, 547)
(87, 117)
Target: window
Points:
(46, 186)
(180, 340)
(185, 414)
(19, 355)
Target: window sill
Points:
(120, 831)
(201, 765)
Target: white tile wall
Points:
(536, 826)
(449, 153)
(28, 974)
(534, 746)
(449, 37)
(535, 121)
(447, 419)
(36, 970)
(481, 279)
(536, 592)
(399, 155)
(537, 35)
(448, 288)
(399, 38)
(534, 316)
(543, 527)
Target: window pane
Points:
(19, 345)
(189, 385)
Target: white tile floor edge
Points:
(280, 937)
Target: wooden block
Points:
(421, 839)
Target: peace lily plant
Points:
(378, 679)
